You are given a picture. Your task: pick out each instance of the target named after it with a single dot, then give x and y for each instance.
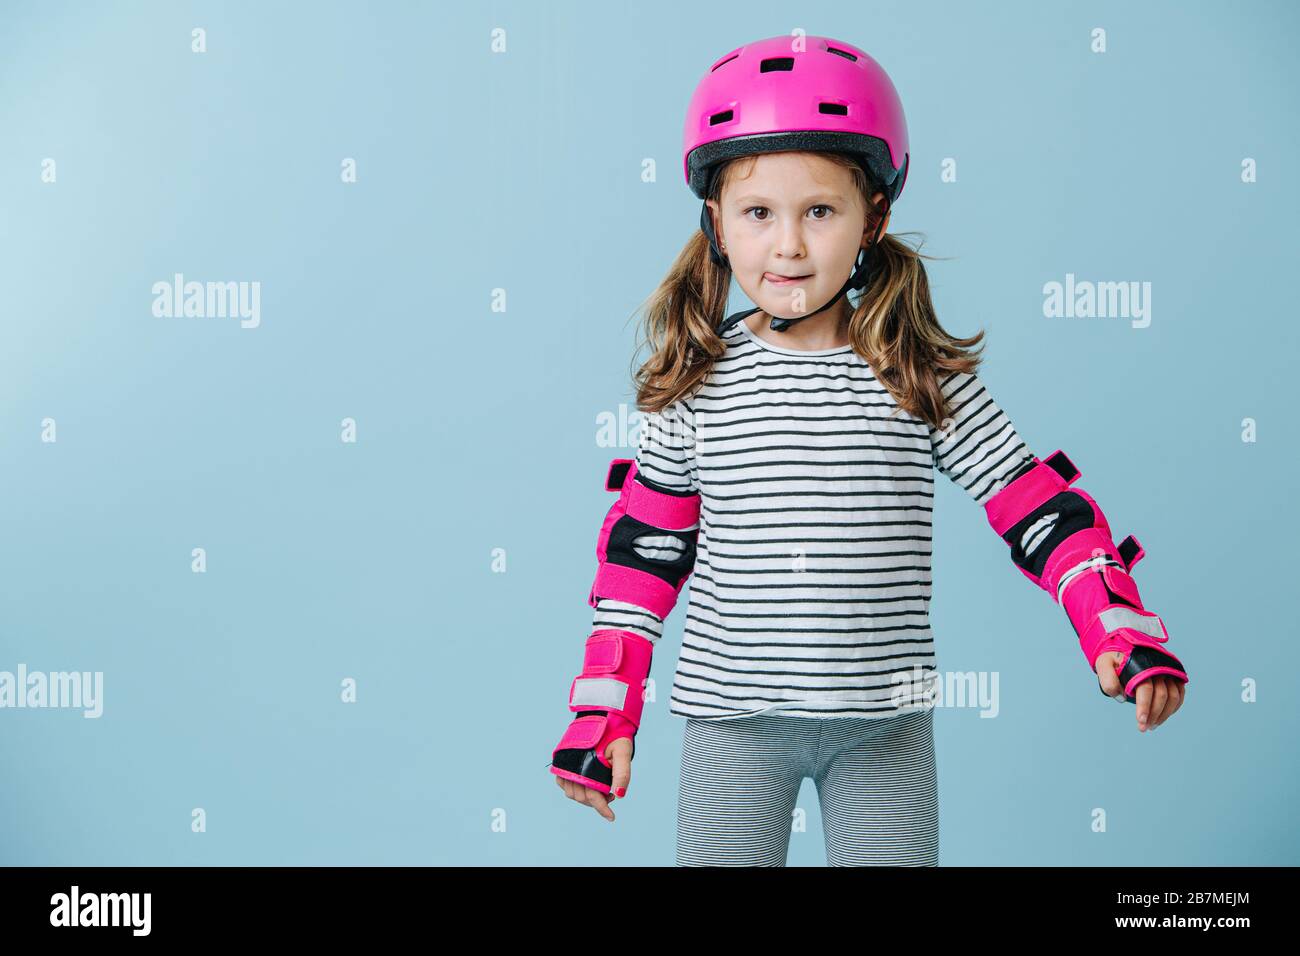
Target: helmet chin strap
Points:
(857, 281)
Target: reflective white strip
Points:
(1102, 561)
(1116, 617)
(599, 692)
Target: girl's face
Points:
(793, 214)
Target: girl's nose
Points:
(791, 243)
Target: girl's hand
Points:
(1157, 698)
(619, 754)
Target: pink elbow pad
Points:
(1060, 540)
(643, 508)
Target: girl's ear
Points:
(715, 213)
(867, 231)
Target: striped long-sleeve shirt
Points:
(811, 590)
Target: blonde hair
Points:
(893, 327)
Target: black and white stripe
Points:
(812, 578)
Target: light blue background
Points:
(478, 429)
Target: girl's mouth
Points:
(782, 280)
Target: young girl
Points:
(787, 460)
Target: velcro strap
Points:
(1061, 464)
(1114, 618)
(603, 654)
(618, 472)
(607, 692)
(1122, 584)
(621, 583)
(675, 512)
(1088, 544)
(1029, 492)
(1131, 551)
(1074, 573)
(584, 733)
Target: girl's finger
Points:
(1159, 698)
(601, 805)
(1144, 705)
(1172, 704)
(1175, 697)
(1106, 673)
(619, 753)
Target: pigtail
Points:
(680, 326)
(894, 327)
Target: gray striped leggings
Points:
(876, 782)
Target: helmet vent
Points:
(772, 64)
(838, 109)
(725, 59)
(722, 117)
(844, 53)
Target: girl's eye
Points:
(765, 209)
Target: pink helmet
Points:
(796, 92)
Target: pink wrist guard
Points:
(607, 696)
